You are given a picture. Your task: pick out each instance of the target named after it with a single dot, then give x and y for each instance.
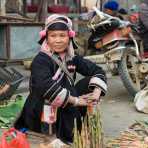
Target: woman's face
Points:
(58, 40)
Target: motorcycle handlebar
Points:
(103, 15)
(135, 28)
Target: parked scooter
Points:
(117, 42)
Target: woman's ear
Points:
(42, 33)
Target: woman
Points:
(53, 72)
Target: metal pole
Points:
(101, 4)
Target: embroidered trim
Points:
(58, 101)
(60, 77)
(99, 82)
(103, 76)
(49, 89)
(56, 75)
(55, 94)
(66, 99)
(95, 85)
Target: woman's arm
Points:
(97, 74)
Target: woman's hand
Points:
(77, 101)
(92, 97)
(96, 94)
(86, 99)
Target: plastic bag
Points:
(49, 114)
(141, 100)
(17, 139)
(10, 111)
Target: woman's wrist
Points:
(73, 100)
(97, 88)
(76, 101)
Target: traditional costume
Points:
(50, 84)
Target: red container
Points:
(32, 8)
(58, 9)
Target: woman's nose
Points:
(57, 39)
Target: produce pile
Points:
(91, 133)
(135, 137)
(10, 110)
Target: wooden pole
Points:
(24, 7)
(3, 7)
(42, 11)
(20, 3)
(79, 6)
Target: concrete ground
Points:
(117, 108)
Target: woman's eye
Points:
(62, 35)
(52, 35)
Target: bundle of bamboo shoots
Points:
(91, 132)
(135, 137)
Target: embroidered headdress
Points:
(58, 22)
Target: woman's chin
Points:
(59, 50)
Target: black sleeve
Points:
(88, 68)
(43, 84)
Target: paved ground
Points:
(118, 111)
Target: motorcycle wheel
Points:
(129, 73)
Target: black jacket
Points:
(43, 87)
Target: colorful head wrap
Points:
(58, 22)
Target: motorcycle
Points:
(120, 46)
